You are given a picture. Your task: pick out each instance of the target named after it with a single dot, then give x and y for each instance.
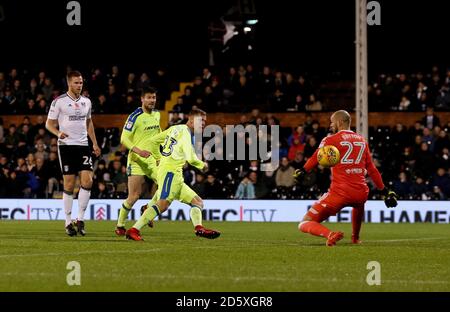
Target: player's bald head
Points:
(342, 116)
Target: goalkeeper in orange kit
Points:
(348, 182)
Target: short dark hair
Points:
(146, 90)
(73, 73)
(196, 112)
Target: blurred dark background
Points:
(315, 36)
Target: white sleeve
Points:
(88, 116)
(53, 113)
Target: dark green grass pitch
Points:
(247, 257)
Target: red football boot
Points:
(120, 231)
(356, 240)
(206, 233)
(134, 234)
(334, 237)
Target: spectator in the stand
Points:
(25, 132)
(267, 81)
(285, 174)
(43, 135)
(206, 76)
(42, 107)
(231, 81)
(405, 104)
(12, 139)
(8, 104)
(310, 147)
(101, 173)
(178, 107)
(245, 190)
(420, 90)
(41, 174)
(14, 187)
(443, 98)
(114, 168)
(418, 189)
(41, 149)
(317, 131)
(399, 136)
(175, 119)
(161, 83)
(47, 89)
(290, 90)
(113, 99)
(314, 104)
(299, 161)
(304, 87)
(188, 99)
(415, 130)
(425, 161)
(41, 79)
(277, 101)
(261, 189)
(442, 180)
(53, 172)
(101, 191)
(19, 92)
(199, 185)
(296, 146)
(131, 84)
(31, 107)
(101, 105)
(438, 194)
(298, 105)
(120, 180)
(423, 102)
(98, 83)
(209, 100)
(377, 100)
(198, 88)
(143, 83)
(254, 115)
(402, 186)
(280, 81)
(430, 120)
(131, 104)
(114, 78)
(213, 189)
(308, 123)
(443, 159)
(428, 138)
(243, 98)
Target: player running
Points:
(177, 148)
(348, 183)
(140, 128)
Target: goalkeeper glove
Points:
(299, 174)
(390, 198)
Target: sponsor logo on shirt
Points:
(77, 118)
(151, 127)
(354, 171)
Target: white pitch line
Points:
(405, 239)
(50, 254)
(236, 279)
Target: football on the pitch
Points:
(328, 156)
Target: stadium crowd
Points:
(414, 161)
